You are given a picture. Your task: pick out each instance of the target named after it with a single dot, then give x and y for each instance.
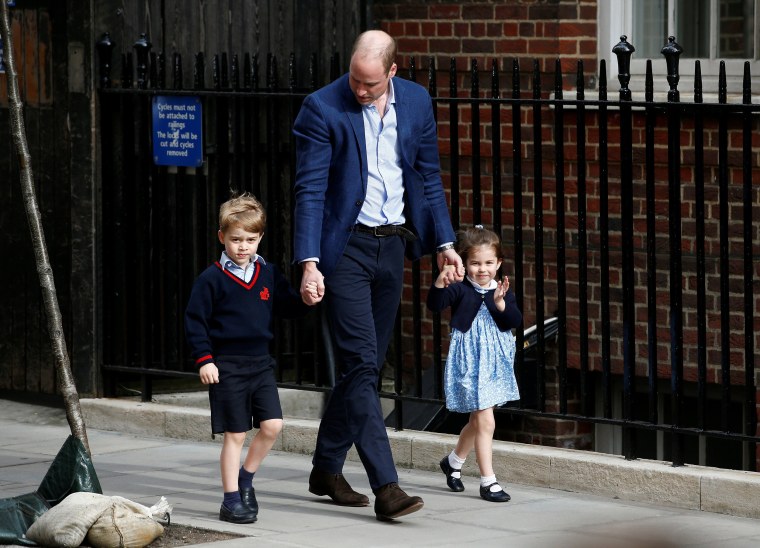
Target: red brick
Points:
(542, 11)
(548, 29)
(494, 29)
(567, 29)
(412, 45)
(510, 12)
(477, 11)
(515, 46)
(444, 29)
(568, 11)
(542, 47)
(477, 46)
(412, 28)
(394, 28)
(462, 29)
(445, 46)
(527, 29)
(567, 47)
(412, 11)
(445, 11)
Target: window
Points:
(709, 30)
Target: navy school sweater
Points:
(227, 316)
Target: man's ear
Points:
(220, 234)
(392, 72)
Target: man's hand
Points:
(209, 374)
(451, 257)
(312, 283)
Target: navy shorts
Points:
(245, 395)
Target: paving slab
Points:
(143, 468)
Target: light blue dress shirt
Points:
(244, 274)
(384, 203)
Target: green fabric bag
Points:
(71, 472)
(16, 516)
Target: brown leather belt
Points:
(382, 231)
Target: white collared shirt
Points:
(491, 285)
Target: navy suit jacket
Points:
(331, 171)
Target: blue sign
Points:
(11, 3)
(177, 131)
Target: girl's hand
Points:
(451, 257)
(501, 290)
(447, 276)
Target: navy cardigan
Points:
(465, 302)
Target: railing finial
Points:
(623, 50)
(105, 46)
(672, 51)
(142, 48)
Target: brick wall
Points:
(545, 31)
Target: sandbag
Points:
(104, 521)
(67, 523)
(120, 526)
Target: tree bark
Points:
(66, 384)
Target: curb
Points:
(691, 487)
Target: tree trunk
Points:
(66, 384)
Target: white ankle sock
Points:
(456, 463)
(485, 481)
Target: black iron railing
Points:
(629, 228)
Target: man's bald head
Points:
(375, 44)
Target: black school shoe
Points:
(239, 513)
(455, 484)
(248, 496)
(498, 496)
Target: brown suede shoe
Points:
(336, 487)
(391, 502)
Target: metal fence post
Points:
(623, 50)
(672, 52)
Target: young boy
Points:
(228, 325)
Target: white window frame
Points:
(615, 19)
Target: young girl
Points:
(480, 366)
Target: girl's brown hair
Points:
(476, 236)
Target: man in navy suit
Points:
(367, 191)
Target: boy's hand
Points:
(312, 283)
(312, 289)
(209, 374)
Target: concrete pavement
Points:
(141, 463)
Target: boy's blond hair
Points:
(244, 211)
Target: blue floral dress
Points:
(480, 366)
